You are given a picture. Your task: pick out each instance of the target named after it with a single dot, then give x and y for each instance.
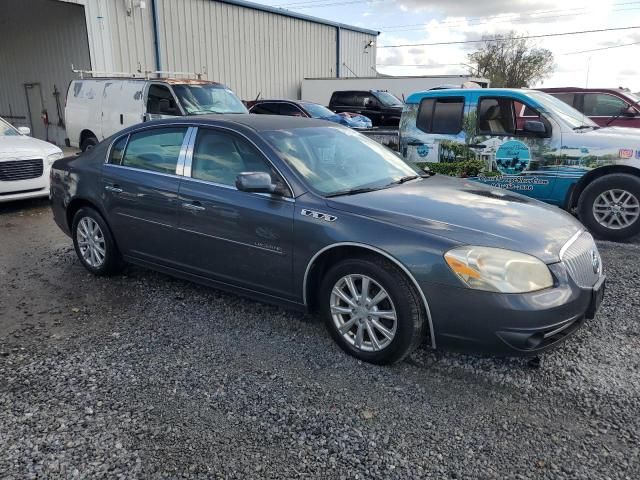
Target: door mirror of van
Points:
(24, 130)
(535, 127)
(628, 112)
(165, 108)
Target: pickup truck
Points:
(553, 153)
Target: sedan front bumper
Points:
(511, 324)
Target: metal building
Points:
(252, 48)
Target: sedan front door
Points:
(239, 238)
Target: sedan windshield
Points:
(7, 130)
(317, 111)
(565, 113)
(336, 160)
(203, 99)
(388, 99)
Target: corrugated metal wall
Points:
(357, 59)
(249, 50)
(38, 44)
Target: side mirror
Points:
(628, 112)
(257, 182)
(536, 127)
(24, 130)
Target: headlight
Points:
(53, 157)
(498, 270)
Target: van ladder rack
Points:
(139, 74)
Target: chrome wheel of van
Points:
(616, 209)
(91, 242)
(363, 313)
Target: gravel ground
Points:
(145, 376)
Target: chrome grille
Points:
(581, 257)
(14, 170)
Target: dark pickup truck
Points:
(383, 108)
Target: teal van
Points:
(532, 143)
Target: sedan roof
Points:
(255, 122)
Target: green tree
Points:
(510, 61)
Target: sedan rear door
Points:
(140, 184)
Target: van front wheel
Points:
(610, 206)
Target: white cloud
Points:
(612, 68)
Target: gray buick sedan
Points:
(312, 215)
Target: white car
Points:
(24, 163)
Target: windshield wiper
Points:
(582, 127)
(352, 191)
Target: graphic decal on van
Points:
(423, 150)
(626, 153)
(513, 157)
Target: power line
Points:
(460, 42)
(603, 48)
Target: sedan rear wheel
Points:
(372, 310)
(94, 244)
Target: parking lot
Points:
(145, 375)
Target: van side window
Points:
(496, 116)
(441, 115)
(160, 101)
(117, 150)
(156, 150)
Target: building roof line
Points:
(299, 16)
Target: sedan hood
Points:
(16, 147)
(469, 213)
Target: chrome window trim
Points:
(231, 187)
(180, 166)
(570, 242)
(133, 169)
(383, 253)
(189, 157)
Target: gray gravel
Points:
(146, 376)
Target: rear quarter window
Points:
(441, 115)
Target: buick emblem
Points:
(595, 262)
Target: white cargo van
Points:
(97, 108)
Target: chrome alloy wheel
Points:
(363, 313)
(91, 242)
(616, 209)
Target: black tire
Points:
(112, 262)
(614, 181)
(88, 143)
(406, 300)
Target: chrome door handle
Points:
(193, 206)
(110, 188)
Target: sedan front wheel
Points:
(371, 310)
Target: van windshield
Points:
(203, 99)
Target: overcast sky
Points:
(422, 21)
